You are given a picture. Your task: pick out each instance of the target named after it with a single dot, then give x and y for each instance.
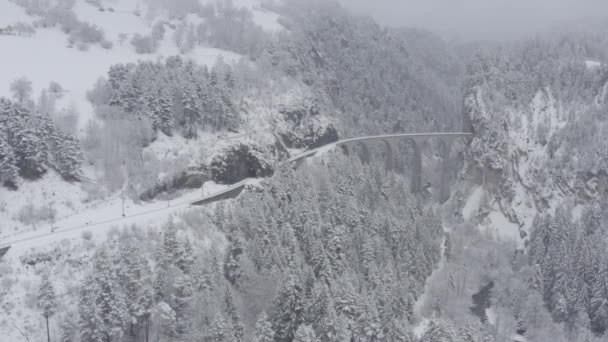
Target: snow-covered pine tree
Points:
(219, 331)
(143, 308)
(47, 302)
(8, 163)
(232, 263)
(30, 153)
(467, 334)
(368, 321)
(68, 157)
(67, 328)
(439, 332)
(165, 111)
(598, 312)
(133, 271)
(170, 245)
(305, 333)
(192, 115)
(181, 298)
(91, 326)
(263, 329)
(103, 310)
(238, 330)
(184, 256)
(288, 310)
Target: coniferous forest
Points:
(191, 183)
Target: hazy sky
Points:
(479, 19)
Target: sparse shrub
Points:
(31, 215)
(101, 93)
(7, 283)
(158, 31)
(107, 44)
(24, 29)
(88, 33)
(35, 258)
(82, 46)
(143, 44)
(87, 235)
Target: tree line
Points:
(176, 95)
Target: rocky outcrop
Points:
(192, 178)
(304, 127)
(240, 161)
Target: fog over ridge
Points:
(480, 19)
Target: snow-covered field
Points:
(45, 56)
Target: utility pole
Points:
(125, 173)
(51, 212)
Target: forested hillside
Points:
(182, 99)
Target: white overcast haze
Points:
(480, 19)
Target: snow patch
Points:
(501, 228)
(592, 64)
(473, 203)
(491, 315)
(421, 328)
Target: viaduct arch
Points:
(417, 141)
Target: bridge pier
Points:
(347, 149)
(444, 188)
(417, 140)
(390, 155)
(416, 181)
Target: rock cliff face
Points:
(536, 146)
(239, 161)
(192, 178)
(304, 127)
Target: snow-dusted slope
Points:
(45, 57)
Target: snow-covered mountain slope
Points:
(531, 143)
(47, 55)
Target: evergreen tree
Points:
(599, 300)
(192, 115)
(144, 308)
(439, 332)
(30, 152)
(164, 111)
(68, 157)
(8, 163)
(288, 311)
(219, 330)
(368, 321)
(47, 301)
(467, 334)
(305, 333)
(263, 329)
(103, 310)
(232, 263)
(238, 330)
(181, 300)
(183, 257)
(67, 329)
